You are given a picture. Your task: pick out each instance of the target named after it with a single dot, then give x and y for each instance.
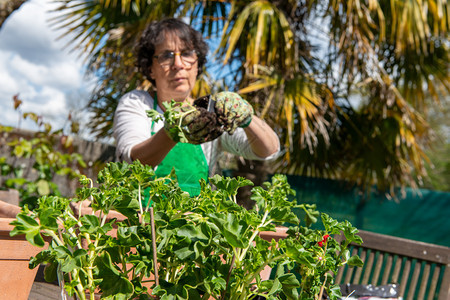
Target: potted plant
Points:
(28, 166)
(178, 247)
(16, 279)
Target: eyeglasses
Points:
(167, 58)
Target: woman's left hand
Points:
(232, 111)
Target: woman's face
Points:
(174, 81)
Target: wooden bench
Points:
(421, 270)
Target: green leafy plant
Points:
(173, 116)
(193, 123)
(34, 160)
(185, 247)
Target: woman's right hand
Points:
(192, 125)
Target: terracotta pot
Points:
(16, 279)
(279, 233)
(10, 196)
(8, 210)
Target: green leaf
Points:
(62, 252)
(289, 280)
(84, 192)
(289, 284)
(334, 292)
(73, 261)
(154, 115)
(128, 236)
(42, 257)
(47, 219)
(71, 286)
(345, 254)
(196, 238)
(90, 224)
(43, 187)
(331, 225)
(18, 151)
(276, 287)
(114, 284)
(229, 185)
(351, 232)
(126, 205)
(184, 252)
(10, 182)
(311, 214)
(30, 227)
(355, 261)
(299, 255)
(233, 231)
(50, 272)
(106, 228)
(192, 232)
(167, 290)
(283, 214)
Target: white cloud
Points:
(27, 33)
(35, 65)
(8, 82)
(55, 101)
(65, 75)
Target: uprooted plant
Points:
(207, 246)
(184, 122)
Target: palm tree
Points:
(300, 63)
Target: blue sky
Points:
(33, 63)
(48, 78)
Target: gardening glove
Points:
(232, 111)
(191, 124)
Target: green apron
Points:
(189, 162)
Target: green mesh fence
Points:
(422, 215)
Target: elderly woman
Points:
(171, 54)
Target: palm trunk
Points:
(7, 7)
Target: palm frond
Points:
(261, 33)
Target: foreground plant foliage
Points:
(207, 246)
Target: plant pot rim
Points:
(8, 210)
(5, 226)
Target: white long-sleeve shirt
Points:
(132, 126)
